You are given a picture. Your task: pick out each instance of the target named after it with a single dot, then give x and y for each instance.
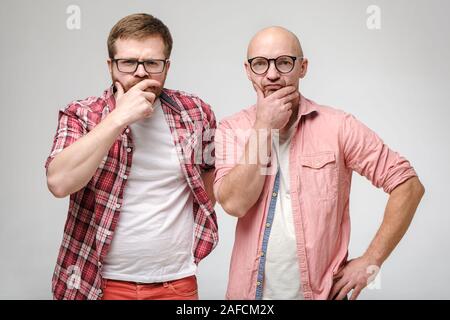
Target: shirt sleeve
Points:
(70, 129)
(367, 154)
(229, 148)
(208, 132)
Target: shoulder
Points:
(243, 119)
(83, 107)
(326, 110)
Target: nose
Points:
(272, 73)
(140, 71)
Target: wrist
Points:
(373, 259)
(262, 125)
(118, 122)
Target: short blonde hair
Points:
(139, 26)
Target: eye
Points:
(284, 62)
(259, 62)
(128, 62)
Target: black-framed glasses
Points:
(130, 65)
(284, 64)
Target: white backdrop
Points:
(395, 79)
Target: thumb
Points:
(120, 91)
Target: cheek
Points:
(122, 78)
(161, 78)
(292, 80)
(256, 80)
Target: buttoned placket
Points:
(266, 236)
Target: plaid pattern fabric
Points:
(94, 210)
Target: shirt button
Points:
(267, 225)
(274, 194)
(262, 254)
(118, 205)
(125, 177)
(128, 149)
(258, 283)
(100, 292)
(127, 131)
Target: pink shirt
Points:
(327, 146)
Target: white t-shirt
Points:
(154, 237)
(282, 273)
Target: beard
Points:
(157, 90)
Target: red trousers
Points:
(181, 289)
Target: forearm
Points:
(73, 167)
(399, 212)
(242, 186)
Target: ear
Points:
(304, 68)
(248, 70)
(167, 66)
(110, 65)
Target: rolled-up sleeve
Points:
(230, 145)
(368, 155)
(70, 129)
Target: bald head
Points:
(274, 41)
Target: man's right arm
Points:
(74, 166)
(241, 187)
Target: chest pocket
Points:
(318, 175)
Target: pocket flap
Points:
(317, 161)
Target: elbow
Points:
(412, 189)
(420, 189)
(55, 186)
(416, 188)
(231, 204)
(234, 209)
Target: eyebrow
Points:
(141, 60)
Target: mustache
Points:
(136, 82)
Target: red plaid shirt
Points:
(94, 210)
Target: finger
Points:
(120, 90)
(336, 288)
(344, 291)
(288, 116)
(290, 97)
(280, 93)
(356, 293)
(147, 83)
(340, 273)
(288, 106)
(149, 112)
(259, 93)
(150, 96)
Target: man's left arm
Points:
(208, 151)
(400, 209)
(366, 153)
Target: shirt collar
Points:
(306, 107)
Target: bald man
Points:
(284, 167)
